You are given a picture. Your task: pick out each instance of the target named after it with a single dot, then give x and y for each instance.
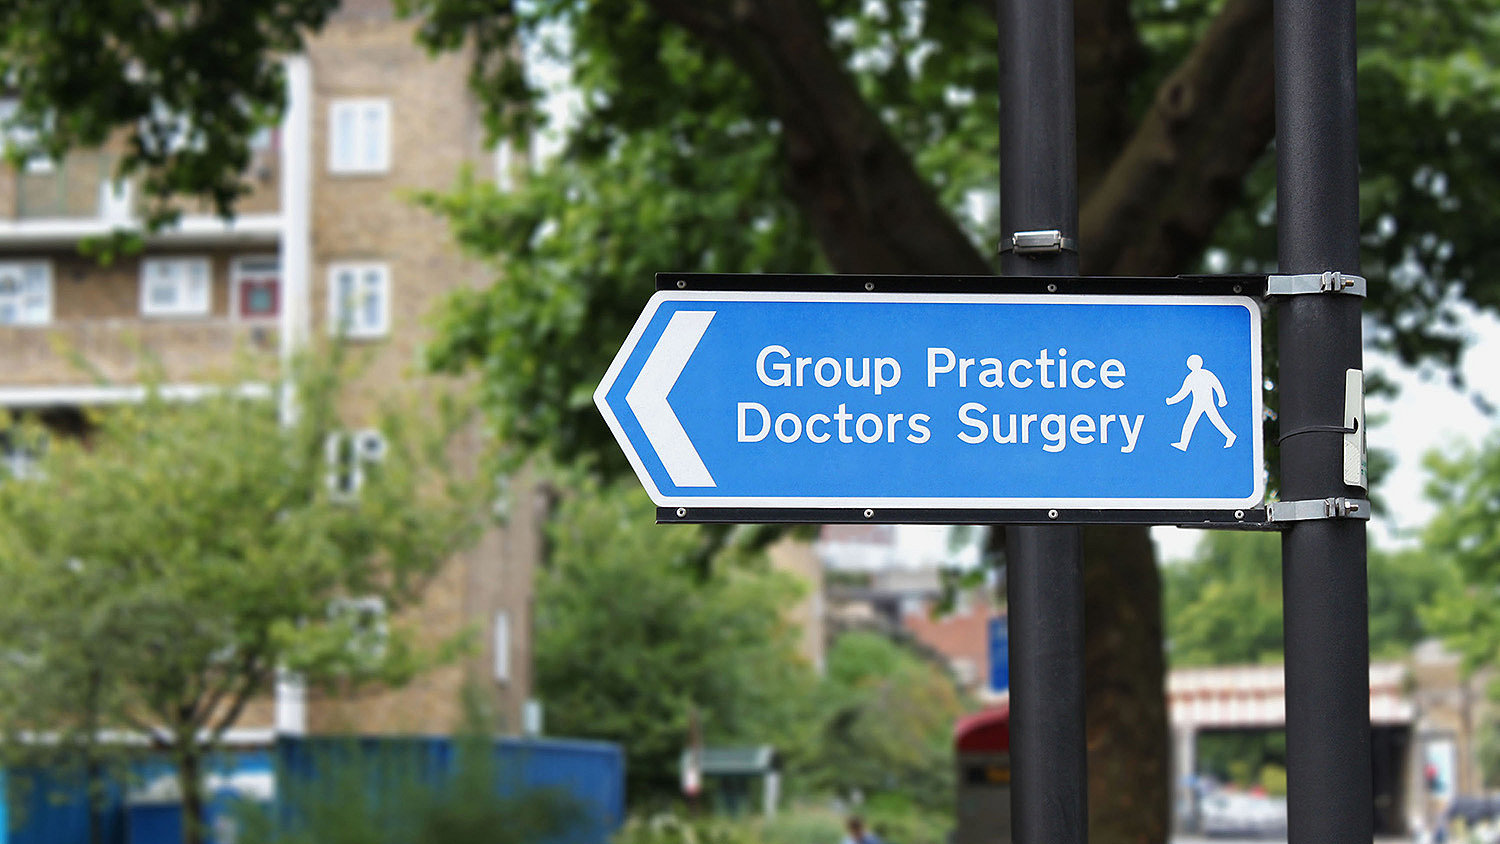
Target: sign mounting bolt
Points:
(1051, 514)
(681, 283)
(869, 514)
(681, 512)
(869, 285)
(1051, 288)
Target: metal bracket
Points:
(1329, 282)
(1318, 508)
(1039, 243)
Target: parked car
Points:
(1238, 813)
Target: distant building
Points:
(962, 637)
(1425, 716)
(890, 578)
(327, 240)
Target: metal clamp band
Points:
(1039, 243)
(1318, 508)
(1329, 282)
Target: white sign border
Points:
(968, 503)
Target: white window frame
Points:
(364, 152)
(15, 135)
(355, 328)
(21, 457)
(20, 268)
(366, 447)
(501, 636)
(505, 166)
(372, 628)
(239, 271)
(185, 306)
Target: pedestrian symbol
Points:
(1205, 389)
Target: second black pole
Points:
(1323, 561)
(1044, 578)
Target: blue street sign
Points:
(938, 400)
(999, 654)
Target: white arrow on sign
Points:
(648, 399)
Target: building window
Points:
(359, 299)
(505, 166)
(25, 293)
(368, 632)
(21, 453)
(175, 287)
(21, 137)
(359, 136)
(351, 454)
(257, 287)
(502, 647)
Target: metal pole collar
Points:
(1318, 508)
(1039, 243)
(1329, 282)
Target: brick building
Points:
(328, 236)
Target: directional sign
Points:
(937, 400)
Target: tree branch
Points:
(153, 734)
(255, 679)
(1108, 56)
(1185, 166)
(869, 207)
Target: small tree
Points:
(884, 725)
(632, 635)
(1465, 532)
(155, 576)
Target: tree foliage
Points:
(157, 574)
(1224, 605)
(884, 725)
(633, 638)
(186, 82)
(634, 641)
(1465, 486)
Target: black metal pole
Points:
(1324, 584)
(1044, 579)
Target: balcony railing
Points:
(82, 187)
(121, 350)
(78, 186)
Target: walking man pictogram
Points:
(1204, 387)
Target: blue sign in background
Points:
(999, 653)
(1151, 337)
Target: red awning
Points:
(983, 732)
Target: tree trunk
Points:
(1128, 739)
(93, 773)
(190, 780)
(1124, 671)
